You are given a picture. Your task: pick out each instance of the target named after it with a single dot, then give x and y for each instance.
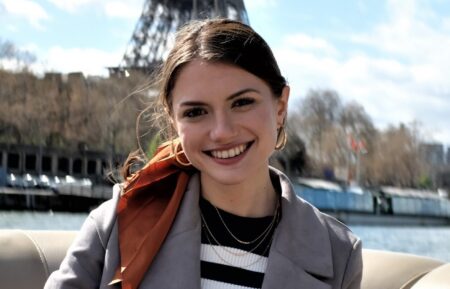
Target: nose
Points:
(223, 129)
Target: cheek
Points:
(189, 135)
(267, 116)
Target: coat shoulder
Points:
(105, 215)
(341, 236)
(338, 231)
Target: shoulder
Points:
(339, 232)
(340, 235)
(317, 242)
(300, 207)
(346, 250)
(104, 216)
(109, 206)
(303, 216)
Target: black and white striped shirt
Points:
(230, 265)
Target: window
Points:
(46, 164)
(63, 165)
(30, 162)
(92, 167)
(77, 166)
(13, 161)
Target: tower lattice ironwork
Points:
(158, 22)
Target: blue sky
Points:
(391, 56)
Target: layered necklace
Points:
(265, 237)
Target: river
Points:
(426, 241)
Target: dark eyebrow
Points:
(231, 97)
(240, 92)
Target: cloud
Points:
(409, 35)
(31, 11)
(123, 9)
(11, 27)
(446, 24)
(89, 61)
(305, 42)
(405, 80)
(128, 9)
(8, 64)
(255, 4)
(72, 5)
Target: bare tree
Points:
(9, 51)
(328, 126)
(318, 113)
(58, 113)
(396, 159)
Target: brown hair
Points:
(219, 40)
(215, 40)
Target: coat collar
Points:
(300, 253)
(301, 250)
(301, 235)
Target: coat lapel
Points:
(177, 264)
(300, 256)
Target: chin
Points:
(224, 178)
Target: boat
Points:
(383, 205)
(28, 257)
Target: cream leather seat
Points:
(28, 257)
(438, 278)
(390, 270)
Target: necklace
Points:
(261, 238)
(257, 238)
(225, 248)
(259, 258)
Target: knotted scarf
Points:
(146, 211)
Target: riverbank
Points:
(425, 241)
(358, 219)
(65, 197)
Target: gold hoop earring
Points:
(281, 138)
(178, 152)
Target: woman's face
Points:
(227, 120)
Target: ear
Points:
(282, 105)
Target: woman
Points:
(207, 211)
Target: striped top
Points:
(226, 263)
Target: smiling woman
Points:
(227, 120)
(207, 211)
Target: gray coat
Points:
(310, 250)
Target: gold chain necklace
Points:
(208, 231)
(257, 238)
(231, 264)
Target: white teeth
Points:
(225, 154)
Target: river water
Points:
(426, 241)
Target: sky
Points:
(390, 56)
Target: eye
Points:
(194, 112)
(243, 102)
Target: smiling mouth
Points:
(230, 153)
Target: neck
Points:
(253, 198)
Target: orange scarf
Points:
(146, 211)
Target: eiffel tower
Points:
(159, 20)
